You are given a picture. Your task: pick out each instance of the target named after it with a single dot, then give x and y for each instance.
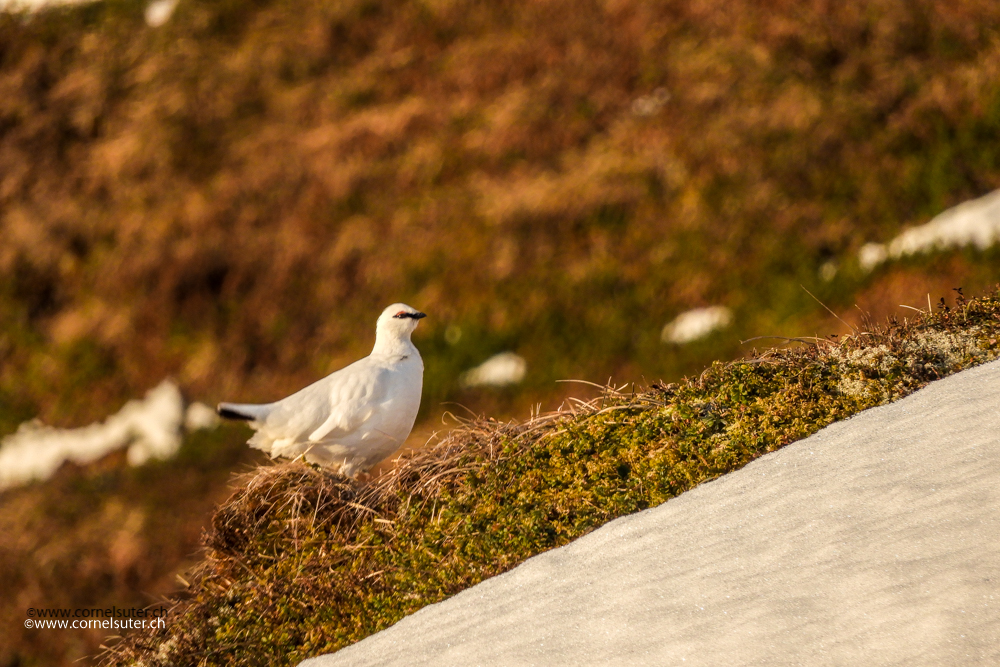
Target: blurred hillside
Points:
(231, 198)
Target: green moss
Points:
(302, 561)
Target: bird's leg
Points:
(302, 456)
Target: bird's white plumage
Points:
(352, 418)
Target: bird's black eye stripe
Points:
(401, 314)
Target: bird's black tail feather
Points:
(229, 412)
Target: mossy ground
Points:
(301, 561)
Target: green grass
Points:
(301, 561)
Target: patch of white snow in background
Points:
(199, 416)
(499, 370)
(35, 5)
(159, 12)
(697, 323)
(972, 223)
(871, 255)
(150, 428)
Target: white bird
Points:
(354, 417)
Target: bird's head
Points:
(398, 320)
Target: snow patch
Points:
(159, 12)
(36, 5)
(696, 324)
(871, 255)
(199, 416)
(499, 370)
(150, 428)
(973, 223)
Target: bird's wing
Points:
(354, 393)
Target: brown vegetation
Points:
(232, 197)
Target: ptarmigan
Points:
(355, 417)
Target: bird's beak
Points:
(418, 316)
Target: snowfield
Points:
(876, 541)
